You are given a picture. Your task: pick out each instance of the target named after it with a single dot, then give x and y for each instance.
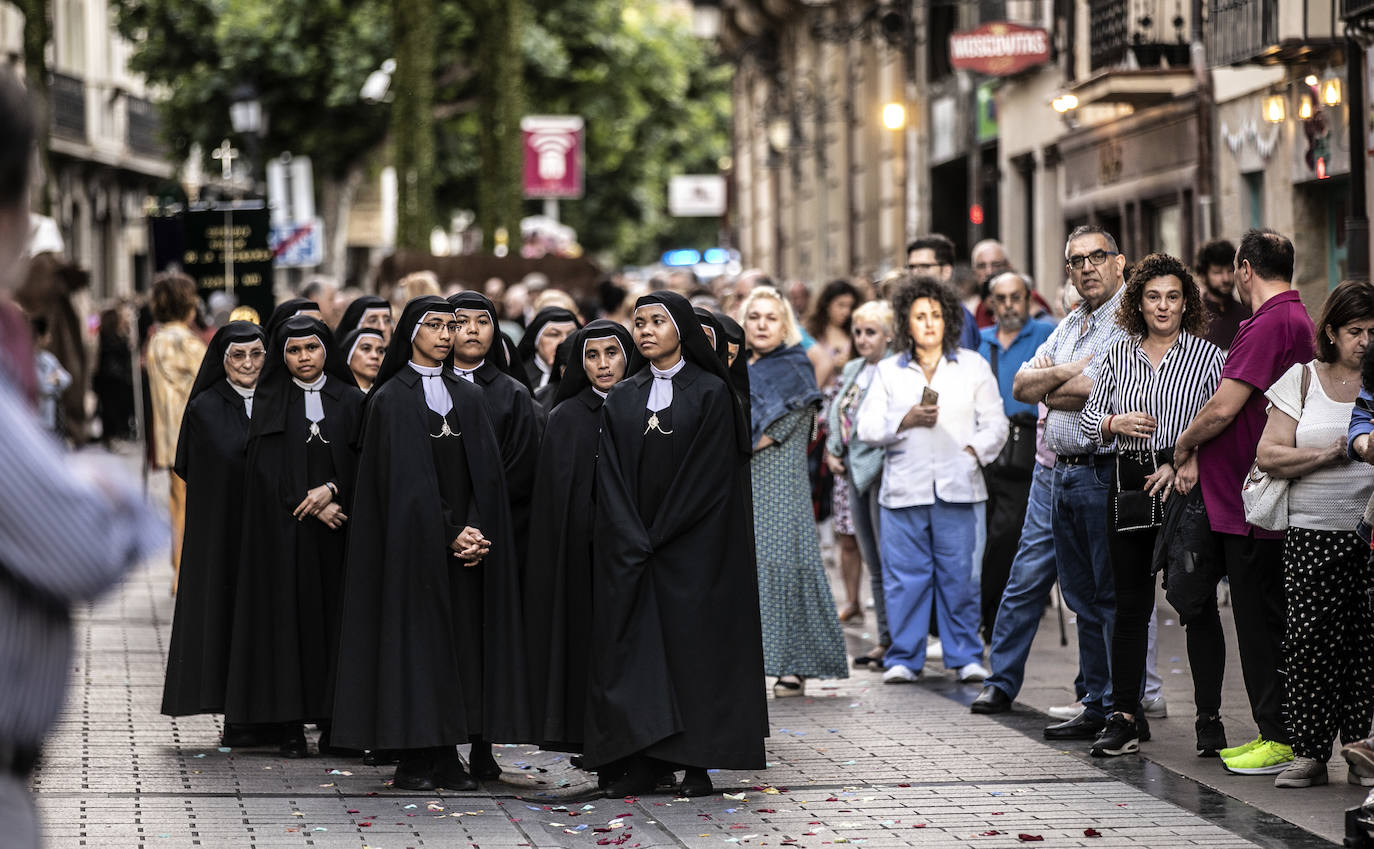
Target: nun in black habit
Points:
(210, 455)
(366, 311)
(549, 327)
(433, 653)
(547, 395)
(558, 583)
(300, 468)
(480, 358)
(678, 648)
(290, 308)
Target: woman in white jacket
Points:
(936, 410)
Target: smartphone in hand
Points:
(929, 397)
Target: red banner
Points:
(999, 48)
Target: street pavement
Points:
(853, 761)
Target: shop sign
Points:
(999, 48)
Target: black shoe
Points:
(1118, 737)
(1142, 727)
(239, 735)
(415, 770)
(638, 780)
(449, 774)
(1081, 727)
(381, 757)
(991, 700)
(610, 773)
(576, 762)
(1211, 736)
(293, 743)
(695, 782)
(482, 763)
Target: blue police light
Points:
(685, 256)
(716, 256)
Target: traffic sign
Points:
(298, 245)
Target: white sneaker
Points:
(972, 673)
(1155, 708)
(899, 674)
(1066, 711)
(934, 649)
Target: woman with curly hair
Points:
(1149, 386)
(935, 409)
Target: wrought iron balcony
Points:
(68, 106)
(1353, 8)
(1152, 31)
(144, 127)
(1271, 31)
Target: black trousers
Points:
(1007, 499)
(1132, 554)
(1259, 604)
(1329, 688)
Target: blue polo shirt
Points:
(1022, 349)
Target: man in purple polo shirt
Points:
(1218, 448)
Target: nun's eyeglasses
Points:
(440, 326)
(245, 356)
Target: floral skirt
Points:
(844, 520)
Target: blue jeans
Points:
(864, 508)
(921, 565)
(1028, 588)
(1085, 573)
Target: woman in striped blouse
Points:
(1147, 389)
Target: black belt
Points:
(17, 760)
(1085, 459)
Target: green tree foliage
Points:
(655, 99)
(307, 58)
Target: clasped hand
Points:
(920, 416)
(315, 501)
(470, 546)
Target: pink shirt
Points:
(1278, 335)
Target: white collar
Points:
(436, 393)
(314, 407)
(466, 373)
(245, 394)
(661, 389)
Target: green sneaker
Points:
(1267, 758)
(1237, 751)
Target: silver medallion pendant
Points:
(654, 424)
(445, 431)
(315, 434)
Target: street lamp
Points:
(245, 111)
(894, 116)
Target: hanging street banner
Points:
(553, 156)
(999, 48)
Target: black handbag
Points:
(1016, 460)
(1134, 509)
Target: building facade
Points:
(1169, 124)
(105, 153)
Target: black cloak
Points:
(739, 372)
(678, 655)
(558, 583)
(516, 419)
(353, 314)
(287, 309)
(286, 617)
(210, 452)
(400, 664)
(529, 343)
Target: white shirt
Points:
(922, 463)
(1331, 498)
(661, 391)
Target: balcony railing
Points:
(1153, 31)
(144, 127)
(1240, 30)
(68, 106)
(1351, 8)
(1273, 31)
